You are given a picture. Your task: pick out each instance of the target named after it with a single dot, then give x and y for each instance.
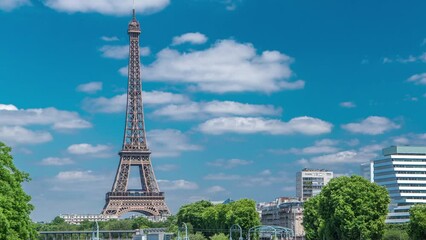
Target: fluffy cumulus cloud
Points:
(58, 119)
(118, 103)
(108, 7)
(169, 142)
(109, 39)
(347, 104)
(410, 139)
(76, 176)
(20, 135)
(194, 38)
(215, 108)
(361, 155)
(215, 189)
(300, 125)
(320, 147)
(8, 107)
(55, 161)
(166, 167)
(170, 185)
(9, 5)
(121, 52)
(419, 79)
(230, 163)
(88, 149)
(372, 125)
(91, 87)
(228, 66)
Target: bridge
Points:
(147, 234)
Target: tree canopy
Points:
(347, 208)
(15, 209)
(417, 225)
(212, 219)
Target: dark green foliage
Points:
(212, 219)
(15, 222)
(347, 208)
(417, 225)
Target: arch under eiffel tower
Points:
(135, 152)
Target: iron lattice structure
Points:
(135, 152)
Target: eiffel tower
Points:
(135, 152)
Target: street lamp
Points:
(232, 228)
(97, 231)
(186, 231)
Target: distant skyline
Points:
(239, 95)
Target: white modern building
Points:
(367, 170)
(402, 171)
(78, 218)
(309, 182)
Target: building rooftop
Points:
(315, 170)
(405, 150)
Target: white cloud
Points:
(230, 163)
(413, 139)
(322, 146)
(118, 102)
(60, 120)
(418, 79)
(347, 104)
(215, 189)
(55, 161)
(215, 108)
(222, 177)
(263, 178)
(302, 125)
(166, 167)
(168, 185)
(88, 149)
(9, 5)
(91, 87)
(361, 155)
(169, 143)
(76, 176)
(227, 66)
(372, 125)
(8, 107)
(109, 39)
(108, 7)
(121, 52)
(20, 135)
(194, 38)
(409, 59)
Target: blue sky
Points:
(239, 94)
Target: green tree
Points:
(417, 225)
(395, 234)
(312, 222)
(219, 236)
(213, 219)
(15, 209)
(193, 213)
(196, 236)
(349, 208)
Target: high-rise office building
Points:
(309, 182)
(402, 171)
(367, 170)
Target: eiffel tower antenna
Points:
(135, 152)
(134, 11)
